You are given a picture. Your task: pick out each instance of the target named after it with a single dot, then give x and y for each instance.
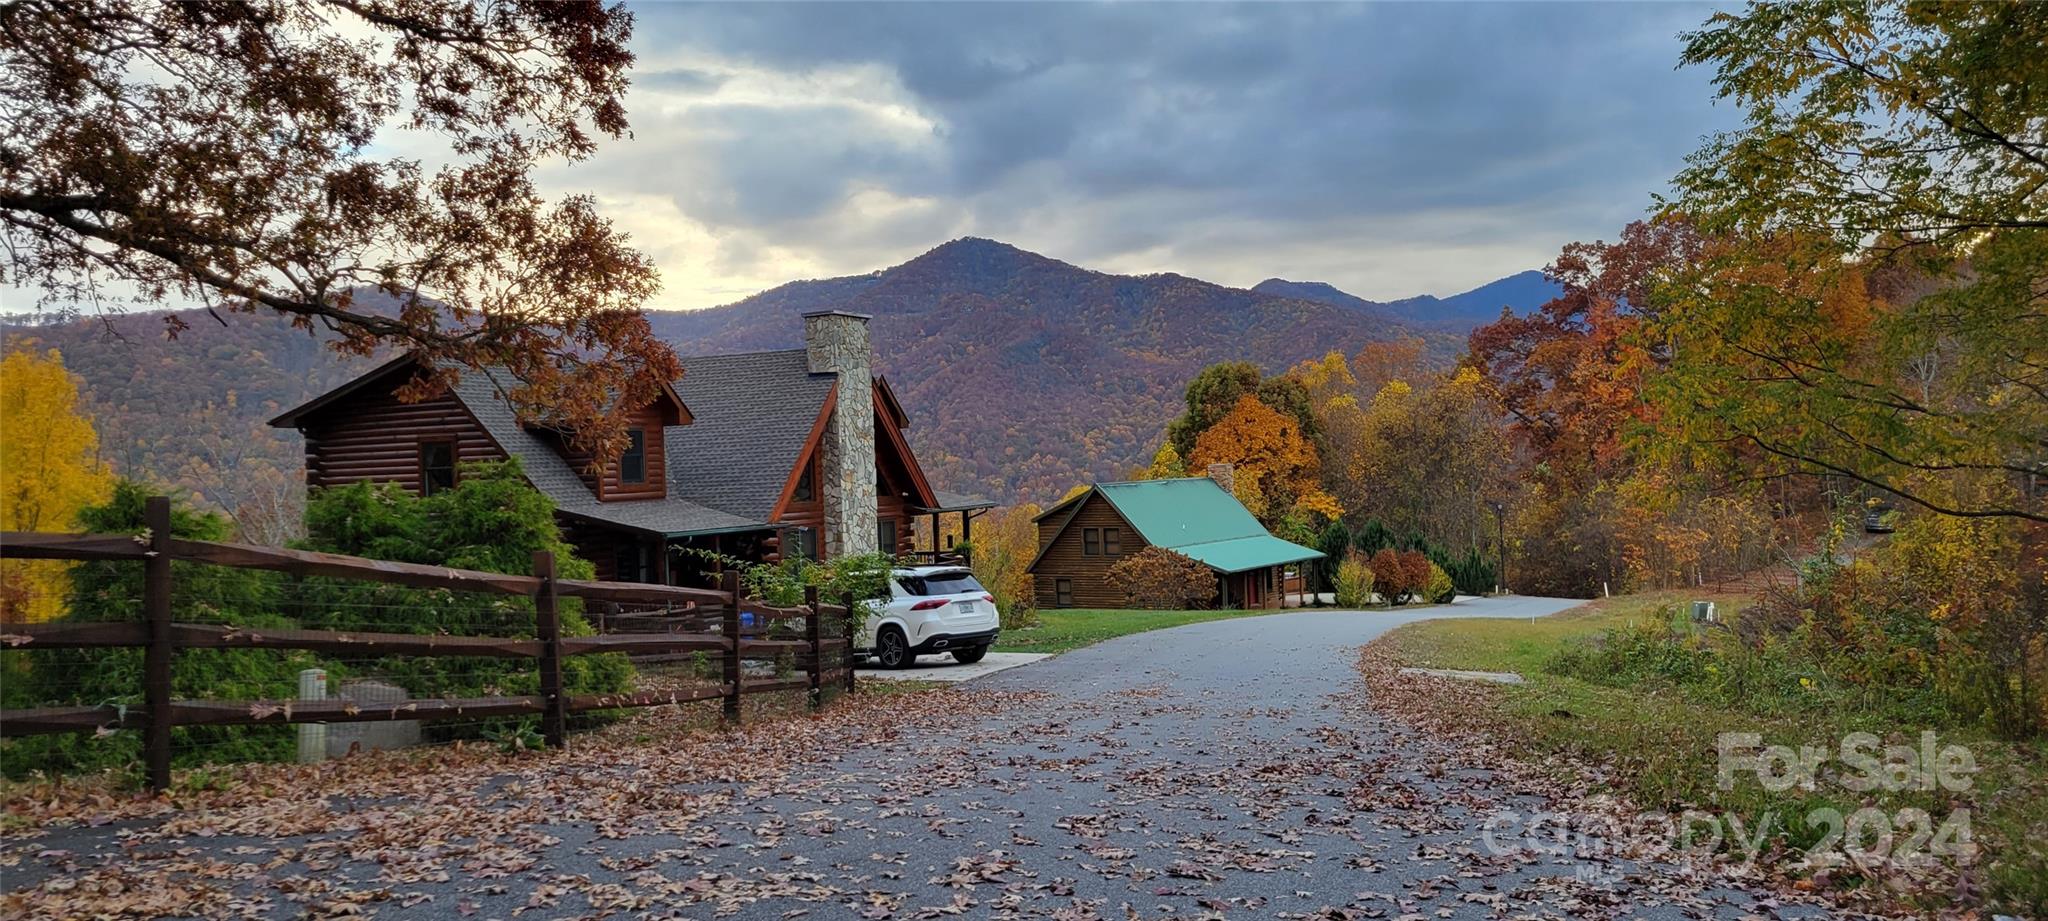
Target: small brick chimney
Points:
(1225, 476)
(837, 342)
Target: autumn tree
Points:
(1570, 378)
(49, 470)
(1166, 464)
(1005, 543)
(1277, 471)
(1381, 363)
(1215, 392)
(1429, 459)
(1873, 308)
(231, 155)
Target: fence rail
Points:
(818, 654)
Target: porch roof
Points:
(1242, 553)
(956, 502)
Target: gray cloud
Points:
(1311, 136)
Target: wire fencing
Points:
(176, 653)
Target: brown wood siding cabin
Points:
(1081, 538)
(1072, 570)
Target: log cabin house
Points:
(1197, 517)
(750, 456)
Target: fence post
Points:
(312, 736)
(851, 628)
(816, 638)
(547, 627)
(729, 583)
(156, 659)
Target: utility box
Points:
(1703, 612)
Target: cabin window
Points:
(806, 485)
(1112, 541)
(633, 463)
(1063, 593)
(437, 466)
(885, 536)
(1091, 541)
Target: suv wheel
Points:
(968, 655)
(892, 649)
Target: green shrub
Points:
(111, 591)
(491, 521)
(1354, 582)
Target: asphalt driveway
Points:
(1230, 768)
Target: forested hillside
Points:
(190, 411)
(1023, 374)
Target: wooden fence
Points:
(822, 657)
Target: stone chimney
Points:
(1225, 476)
(836, 342)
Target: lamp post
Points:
(1500, 521)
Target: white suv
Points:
(931, 609)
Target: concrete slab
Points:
(1462, 675)
(941, 667)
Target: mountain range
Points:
(1520, 292)
(1023, 374)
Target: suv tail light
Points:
(991, 599)
(928, 605)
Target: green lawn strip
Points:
(1061, 630)
(1658, 747)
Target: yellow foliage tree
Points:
(1276, 466)
(49, 469)
(1166, 465)
(1005, 541)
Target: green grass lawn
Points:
(1657, 744)
(1072, 628)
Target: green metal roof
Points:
(1193, 516)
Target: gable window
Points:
(1063, 593)
(1112, 541)
(885, 536)
(633, 463)
(437, 466)
(806, 485)
(1091, 541)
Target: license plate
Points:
(967, 607)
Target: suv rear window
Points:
(940, 583)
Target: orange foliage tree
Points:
(1277, 468)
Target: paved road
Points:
(1227, 768)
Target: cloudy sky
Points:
(1390, 149)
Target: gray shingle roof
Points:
(753, 414)
(552, 475)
